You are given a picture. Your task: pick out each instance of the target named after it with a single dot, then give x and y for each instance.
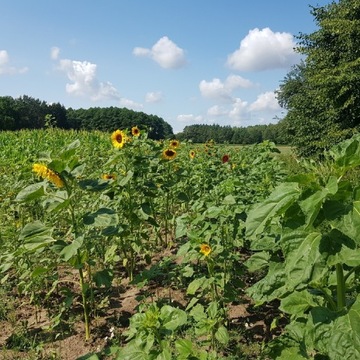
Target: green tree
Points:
(321, 94)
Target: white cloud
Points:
(265, 102)
(165, 52)
(153, 97)
(239, 109)
(263, 50)
(216, 89)
(189, 118)
(216, 111)
(130, 104)
(54, 53)
(82, 75)
(6, 68)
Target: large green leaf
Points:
(280, 199)
(347, 153)
(102, 218)
(31, 192)
(71, 250)
(297, 302)
(300, 262)
(312, 205)
(172, 318)
(36, 235)
(349, 224)
(345, 335)
(271, 287)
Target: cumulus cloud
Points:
(153, 97)
(6, 68)
(130, 104)
(217, 110)
(165, 52)
(264, 50)
(84, 82)
(239, 108)
(265, 102)
(216, 89)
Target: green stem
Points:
(340, 293)
(350, 272)
(328, 298)
(84, 301)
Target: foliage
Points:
(321, 93)
(73, 241)
(28, 113)
(235, 135)
(306, 238)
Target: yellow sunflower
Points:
(135, 131)
(118, 139)
(174, 143)
(108, 176)
(169, 154)
(205, 249)
(48, 174)
(192, 154)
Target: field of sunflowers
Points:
(115, 246)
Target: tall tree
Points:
(321, 94)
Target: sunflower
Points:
(108, 176)
(135, 131)
(169, 154)
(48, 174)
(118, 139)
(192, 154)
(205, 249)
(225, 158)
(174, 143)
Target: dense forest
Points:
(235, 135)
(26, 112)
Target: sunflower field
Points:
(115, 246)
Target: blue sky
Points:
(187, 61)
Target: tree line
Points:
(202, 133)
(26, 112)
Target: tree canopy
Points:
(26, 112)
(322, 93)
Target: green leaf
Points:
(347, 153)
(198, 312)
(297, 303)
(195, 285)
(229, 200)
(257, 261)
(345, 336)
(126, 179)
(93, 184)
(103, 277)
(222, 335)
(213, 212)
(102, 218)
(280, 199)
(172, 318)
(312, 205)
(36, 235)
(300, 262)
(184, 348)
(71, 250)
(31, 192)
(271, 287)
